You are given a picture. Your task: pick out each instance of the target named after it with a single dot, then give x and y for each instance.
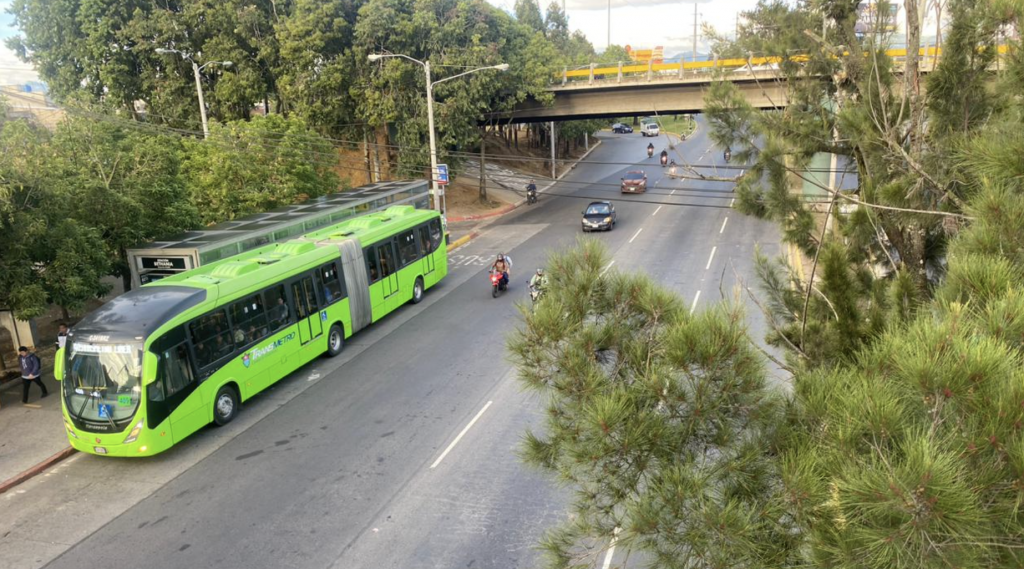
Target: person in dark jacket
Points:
(31, 367)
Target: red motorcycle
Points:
(498, 284)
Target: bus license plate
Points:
(100, 450)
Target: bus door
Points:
(307, 310)
(388, 272)
(427, 263)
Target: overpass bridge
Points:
(612, 91)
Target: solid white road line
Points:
(611, 550)
(459, 438)
(713, 249)
(732, 201)
(722, 230)
(694, 305)
(605, 270)
(656, 211)
(635, 234)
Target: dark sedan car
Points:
(599, 215)
(620, 128)
(635, 181)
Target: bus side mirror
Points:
(58, 365)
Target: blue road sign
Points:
(442, 174)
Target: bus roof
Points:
(136, 313)
(375, 226)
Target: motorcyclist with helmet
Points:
(502, 265)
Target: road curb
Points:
(462, 241)
(35, 470)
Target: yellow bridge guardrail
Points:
(587, 73)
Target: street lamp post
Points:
(438, 193)
(196, 68)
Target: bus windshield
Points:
(102, 382)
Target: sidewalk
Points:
(32, 433)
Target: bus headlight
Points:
(135, 432)
(70, 429)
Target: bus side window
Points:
(330, 283)
(177, 371)
(424, 240)
(249, 319)
(435, 233)
(372, 269)
(211, 337)
(175, 378)
(274, 298)
(387, 258)
(407, 249)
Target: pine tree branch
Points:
(775, 326)
(746, 333)
(814, 267)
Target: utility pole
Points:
(438, 192)
(196, 71)
(695, 32)
(554, 169)
(483, 165)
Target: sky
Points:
(645, 24)
(12, 70)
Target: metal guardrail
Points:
(593, 73)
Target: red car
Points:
(634, 182)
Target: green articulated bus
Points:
(158, 363)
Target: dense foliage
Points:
(302, 63)
(901, 444)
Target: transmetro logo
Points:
(251, 356)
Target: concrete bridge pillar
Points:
(620, 72)
(565, 75)
(592, 73)
(650, 64)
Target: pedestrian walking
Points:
(31, 367)
(62, 336)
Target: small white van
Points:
(650, 129)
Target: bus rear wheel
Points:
(225, 406)
(417, 290)
(335, 340)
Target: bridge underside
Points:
(635, 99)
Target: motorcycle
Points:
(531, 195)
(496, 285)
(535, 293)
(728, 155)
(650, 151)
(664, 160)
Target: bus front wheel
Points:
(335, 340)
(225, 406)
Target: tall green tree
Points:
(252, 166)
(660, 423)
(102, 165)
(528, 13)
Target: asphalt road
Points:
(402, 453)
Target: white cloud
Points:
(603, 4)
(651, 23)
(12, 70)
